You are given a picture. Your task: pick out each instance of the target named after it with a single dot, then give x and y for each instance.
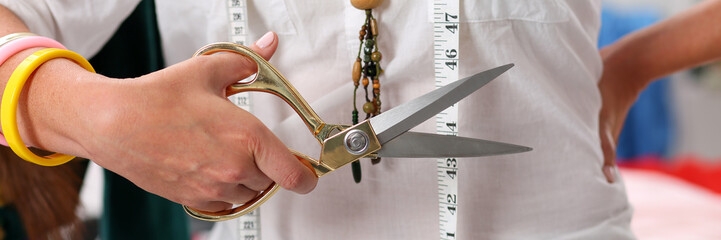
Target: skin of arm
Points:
(171, 132)
(688, 39)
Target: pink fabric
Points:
(669, 208)
(18, 45)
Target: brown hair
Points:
(45, 197)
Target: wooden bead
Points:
(362, 32)
(365, 81)
(376, 85)
(376, 56)
(377, 103)
(374, 27)
(369, 107)
(365, 4)
(357, 70)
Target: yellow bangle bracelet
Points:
(9, 106)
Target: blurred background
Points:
(670, 149)
(676, 114)
(669, 152)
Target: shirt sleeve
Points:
(83, 26)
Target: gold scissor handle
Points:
(234, 212)
(269, 80)
(254, 203)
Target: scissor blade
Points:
(400, 119)
(427, 145)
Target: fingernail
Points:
(265, 41)
(607, 170)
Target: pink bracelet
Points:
(18, 45)
(21, 44)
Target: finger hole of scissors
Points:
(248, 79)
(251, 66)
(252, 70)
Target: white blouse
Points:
(548, 101)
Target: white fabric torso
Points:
(548, 101)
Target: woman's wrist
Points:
(50, 110)
(622, 74)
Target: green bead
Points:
(369, 107)
(367, 58)
(355, 116)
(370, 43)
(368, 51)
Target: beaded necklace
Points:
(367, 65)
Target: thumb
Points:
(227, 69)
(608, 145)
(266, 45)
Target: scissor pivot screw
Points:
(356, 142)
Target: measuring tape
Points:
(248, 224)
(445, 49)
(238, 14)
(445, 41)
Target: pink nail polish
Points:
(265, 41)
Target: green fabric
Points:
(11, 224)
(130, 212)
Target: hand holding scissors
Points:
(385, 135)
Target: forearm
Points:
(50, 96)
(688, 39)
(685, 40)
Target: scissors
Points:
(385, 135)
